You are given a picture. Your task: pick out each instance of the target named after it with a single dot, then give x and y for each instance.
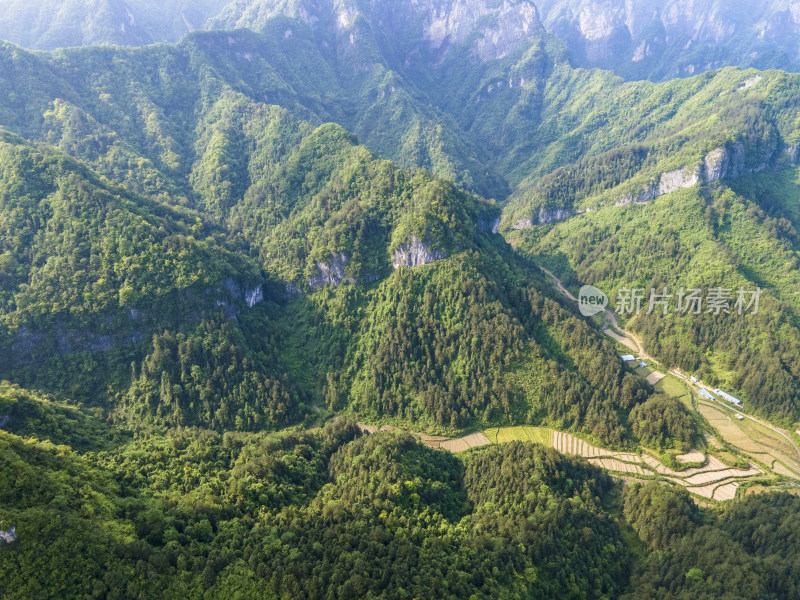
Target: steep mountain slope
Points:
(48, 24)
(186, 125)
(435, 344)
(662, 39)
(737, 235)
(654, 39)
(193, 513)
(92, 276)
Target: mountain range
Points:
(303, 209)
(654, 39)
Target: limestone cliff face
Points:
(490, 28)
(678, 179)
(331, 273)
(659, 39)
(544, 217)
(723, 162)
(415, 253)
(552, 216)
(727, 161)
(496, 27)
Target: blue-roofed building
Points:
(728, 397)
(707, 394)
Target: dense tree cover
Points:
(567, 186)
(663, 422)
(192, 513)
(27, 414)
(155, 318)
(459, 342)
(718, 558)
(208, 378)
(189, 247)
(702, 238)
(229, 125)
(196, 514)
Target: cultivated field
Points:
(694, 456)
(537, 435)
(753, 439)
(473, 440)
(714, 480)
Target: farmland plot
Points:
(612, 464)
(726, 492)
(695, 456)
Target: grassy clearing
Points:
(503, 435)
(673, 386)
(540, 435)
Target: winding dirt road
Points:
(612, 324)
(611, 318)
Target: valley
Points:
(288, 300)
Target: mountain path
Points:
(612, 318)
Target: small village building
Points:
(707, 394)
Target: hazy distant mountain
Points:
(660, 39)
(48, 24)
(646, 39)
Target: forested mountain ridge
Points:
(196, 514)
(215, 254)
(199, 125)
(431, 345)
(51, 24)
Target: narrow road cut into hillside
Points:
(612, 318)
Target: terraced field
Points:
(753, 439)
(714, 480)
(537, 435)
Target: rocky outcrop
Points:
(732, 161)
(648, 193)
(251, 295)
(254, 296)
(522, 224)
(554, 215)
(678, 179)
(291, 292)
(489, 224)
(415, 253)
(27, 346)
(493, 29)
(8, 536)
(331, 274)
(544, 217)
(720, 163)
(662, 39)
